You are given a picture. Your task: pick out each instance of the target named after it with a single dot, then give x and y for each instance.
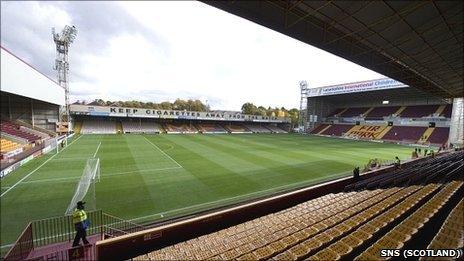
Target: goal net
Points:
(85, 189)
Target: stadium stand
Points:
(439, 136)
(141, 127)
(451, 233)
(415, 111)
(210, 128)
(275, 129)
(354, 112)
(176, 127)
(16, 130)
(355, 223)
(337, 129)
(98, 127)
(236, 128)
(336, 112)
(447, 111)
(418, 111)
(319, 128)
(257, 128)
(7, 145)
(380, 112)
(405, 133)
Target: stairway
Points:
(440, 110)
(426, 134)
(383, 132)
(77, 127)
(119, 128)
(328, 126)
(400, 110)
(338, 114)
(367, 112)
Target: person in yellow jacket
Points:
(81, 222)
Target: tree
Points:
(249, 108)
(294, 116)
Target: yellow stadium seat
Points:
(299, 251)
(387, 242)
(341, 248)
(326, 254)
(231, 254)
(362, 235)
(277, 246)
(352, 241)
(287, 255)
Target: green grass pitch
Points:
(151, 177)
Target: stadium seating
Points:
(17, 131)
(98, 127)
(141, 127)
(7, 145)
(451, 234)
(179, 128)
(354, 112)
(236, 128)
(257, 128)
(338, 226)
(439, 136)
(447, 111)
(404, 133)
(380, 112)
(402, 233)
(319, 128)
(337, 129)
(275, 129)
(429, 170)
(418, 111)
(336, 112)
(211, 128)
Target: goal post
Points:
(85, 188)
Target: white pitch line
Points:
(135, 171)
(163, 152)
(95, 154)
(47, 180)
(104, 175)
(41, 165)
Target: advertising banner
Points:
(169, 114)
(372, 85)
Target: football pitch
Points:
(154, 177)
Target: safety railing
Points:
(114, 226)
(23, 245)
(61, 229)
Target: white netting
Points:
(90, 176)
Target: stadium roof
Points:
(419, 43)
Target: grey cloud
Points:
(27, 32)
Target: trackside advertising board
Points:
(365, 86)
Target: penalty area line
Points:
(164, 153)
(95, 154)
(41, 165)
(103, 175)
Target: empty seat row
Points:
(15, 130)
(451, 233)
(402, 233)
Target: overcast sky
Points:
(158, 51)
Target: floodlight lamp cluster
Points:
(67, 36)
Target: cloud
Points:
(166, 50)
